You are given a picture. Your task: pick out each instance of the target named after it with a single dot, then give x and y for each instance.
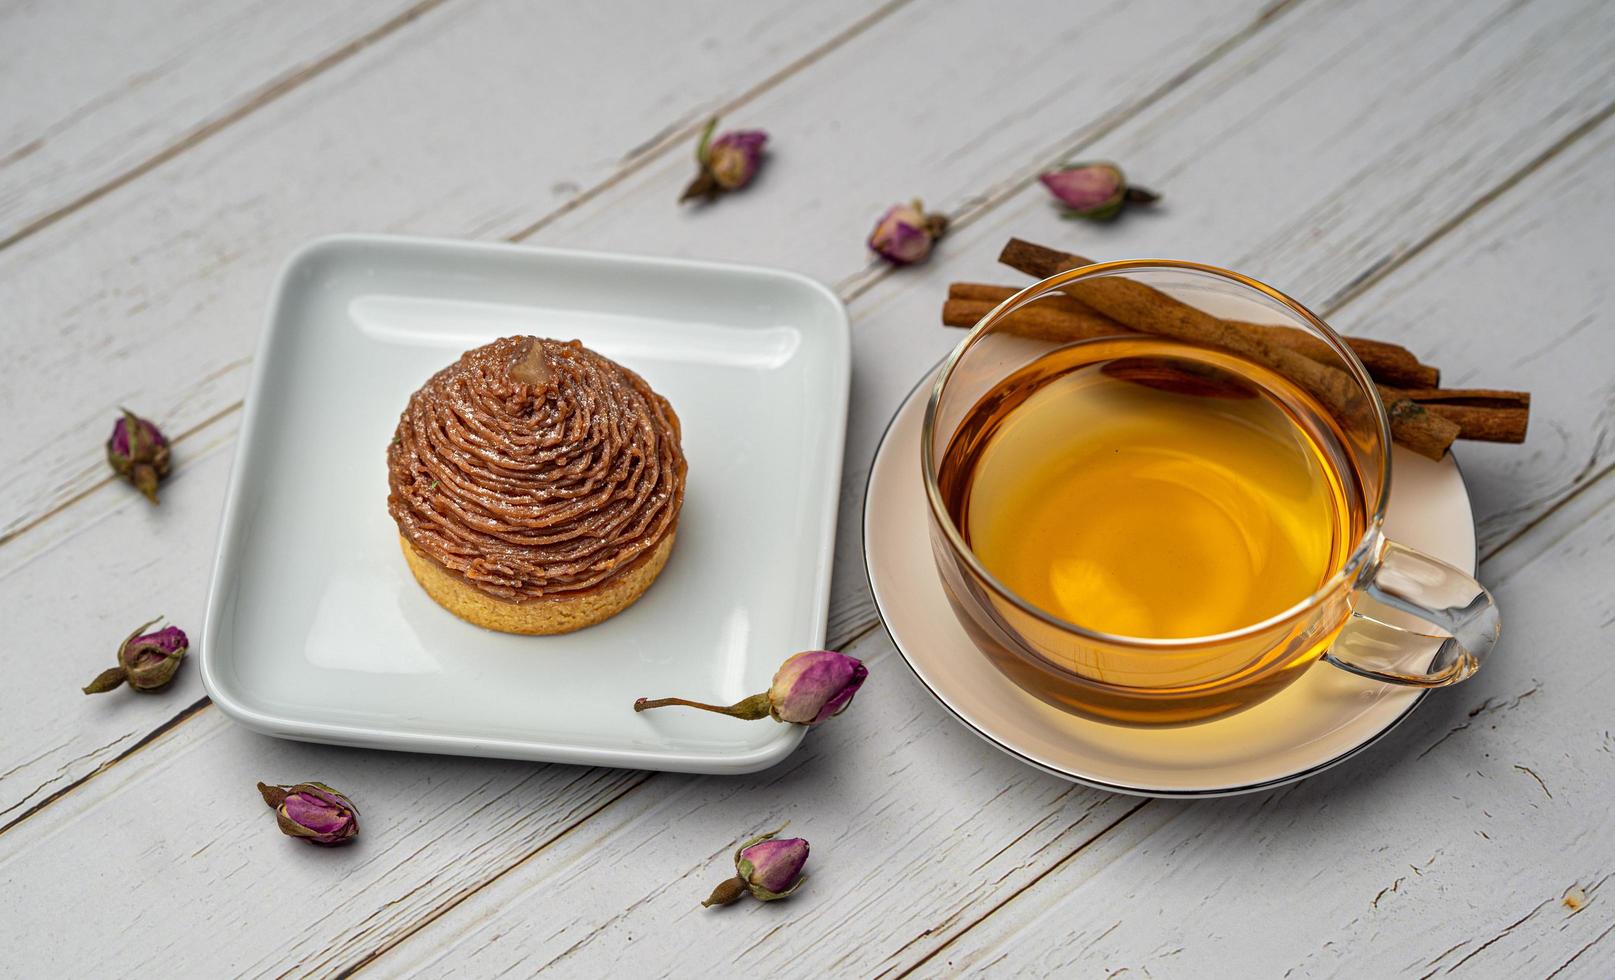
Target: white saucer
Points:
(1324, 718)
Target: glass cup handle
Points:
(1433, 591)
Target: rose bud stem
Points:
(703, 186)
(750, 709)
(732, 890)
(808, 688)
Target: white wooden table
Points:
(1439, 173)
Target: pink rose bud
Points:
(727, 163)
(138, 452)
(147, 661)
(766, 868)
(808, 688)
(1096, 191)
(735, 157)
(905, 233)
(815, 685)
(313, 812)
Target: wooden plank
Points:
(968, 126)
(12, 860)
(93, 98)
(1354, 193)
(470, 128)
(58, 748)
(193, 829)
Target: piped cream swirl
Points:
(536, 469)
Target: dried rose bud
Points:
(815, 685)
(905, 233)
(727, 163)
(138, 452)
(808, 688)
(313, 812)
(735, 157)
(1096, 191)
(767, 868)
(147, 661)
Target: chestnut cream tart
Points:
(536, 485)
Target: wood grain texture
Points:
(458, 130)
(94, 94)
(59, 749)
(498, 865)
(843, 155)
(294, 906)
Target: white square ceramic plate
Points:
(315, 629)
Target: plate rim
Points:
(226, 556)
(1084, 780)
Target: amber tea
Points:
(1150, 488)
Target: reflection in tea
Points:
(1150, 488)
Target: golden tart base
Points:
(539, 616)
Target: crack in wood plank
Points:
(1486, 707)
(59, 769)
(184, 715)
(1506, 930)
(1532, 773)
(28, 762)
(1595, 941)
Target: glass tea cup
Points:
(1354, 619)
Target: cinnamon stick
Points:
(1149, 310)
(1056, 318)
(1390, 364)
(1482, 414)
